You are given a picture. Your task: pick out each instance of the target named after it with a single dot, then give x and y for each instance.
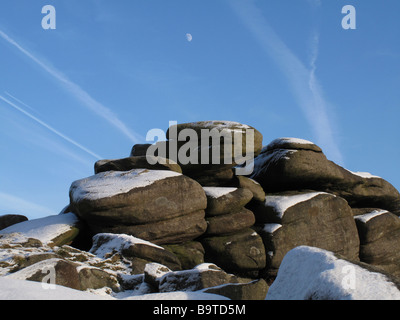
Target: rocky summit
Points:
(155, 222)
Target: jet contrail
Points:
(78, 92)
(305, 87)
(50, 128)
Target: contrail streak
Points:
(305, 87)
(78, 92)
(50, 128)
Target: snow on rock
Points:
(283, 141)
(271, 227)
(266, 158)
(14, 289)
(216, 192)
(364, 175)
(110, 183)
(368, 216)
(45, 229)
(178, 295)
(202, 276)
(282, 203)
(104, 243)
(313, 273)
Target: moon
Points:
(189, 37)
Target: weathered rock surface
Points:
(379, 232)
(108, 244)
(136, 162)
(241, 253)
(68, 274)
(295, 164)
(230, 128)
(291, 219)
(206, 141)
(202, 276)
(223, 200)
(190, 253)
(175, 230)
(254, 290)
(251, 185)
(230, 223)
(146, 224)
(54, 230)
(148, 204)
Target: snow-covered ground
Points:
(13, 289)
(312, 273)
(305, 272)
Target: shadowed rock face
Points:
(290, 219)
(379, 232)
(290, 165)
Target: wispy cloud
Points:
(80, 94)
(14, 204)
(302, 79)
(47, 126)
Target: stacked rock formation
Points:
(156, 219)
(243, 224)
(229, 240)
(311, 201)
(296, 164)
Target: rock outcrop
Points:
(295, 164)
(158, 222)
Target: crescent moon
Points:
(189, 37)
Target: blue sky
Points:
(113, 70)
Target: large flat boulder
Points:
(209, 150)
(54, 230)
(160, 205)
(231, 128)
(295, 164)
(170, 231)
(136, 162)
(319, 219)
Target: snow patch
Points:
(271, 227)
(111, 183)
(216, 192)
(44, 229)
(116, 242)
(318, 274)
(267, 157)
(366, 175)
(368, 216)
(281, 141)
(14, 289)
(178, 295)
(282, 203)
